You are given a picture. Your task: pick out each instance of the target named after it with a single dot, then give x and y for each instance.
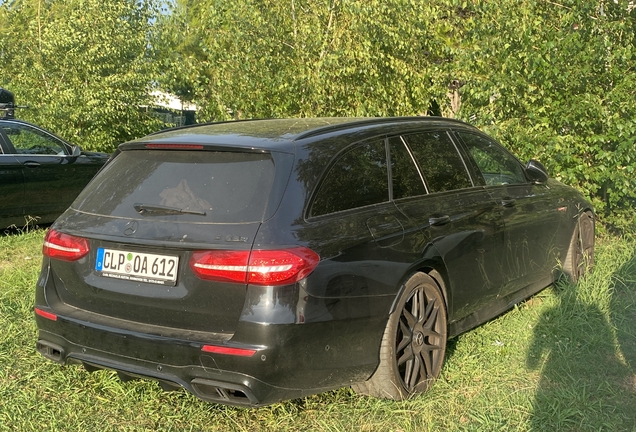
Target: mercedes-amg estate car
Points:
(254, 261)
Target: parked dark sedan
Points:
(40, 174)
(255, 261)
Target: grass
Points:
(563, 360)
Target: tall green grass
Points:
(563, 360)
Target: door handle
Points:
(508, 202)
(437, 221)
(31, 164)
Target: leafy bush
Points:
(84, 67)
(556, 82)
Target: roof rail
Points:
(365, 121)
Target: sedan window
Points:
(439, 161)
(496, 165)
(27, 140)
(358, 178)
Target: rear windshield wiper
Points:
(150, 209)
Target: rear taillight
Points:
(260, 267)
(64, 247)
(220, 265)
(280, 267)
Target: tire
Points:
(580, 258)
(413, 345)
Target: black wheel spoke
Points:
(412, 373)
(421, 305)
(427, 364)
(405, 357)
(435, 345)
(406, 336)
(431, 319)
(410, 319)
(430, 307)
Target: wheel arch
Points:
(388, 379)
(433, 267)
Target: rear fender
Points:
(433, 265)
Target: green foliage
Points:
(84, 67)
(555, 81)
(252, 58)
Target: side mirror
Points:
(76, 151)
(536, 171)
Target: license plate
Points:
(138, 267)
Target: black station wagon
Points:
(254, 261)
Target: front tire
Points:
(413, 345)
(580, 257)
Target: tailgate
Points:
(144, 215)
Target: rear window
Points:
(208, 186)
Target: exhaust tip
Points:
(223, 392)
(51, 351)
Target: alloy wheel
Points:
(420, 338)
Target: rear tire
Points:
(580, 257)
(413, 345)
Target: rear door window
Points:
(439, 161)
(208, 186)
(358, 178)
(405, 177)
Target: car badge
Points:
(131, 228)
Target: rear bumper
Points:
(291, 361)
(211, 385)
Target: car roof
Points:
(281, 134)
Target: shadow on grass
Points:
(586, 381)
(623, 317)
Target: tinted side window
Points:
(496, 165)
(358, 178)
(27, 140)
(439, 161)
(405, 177)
